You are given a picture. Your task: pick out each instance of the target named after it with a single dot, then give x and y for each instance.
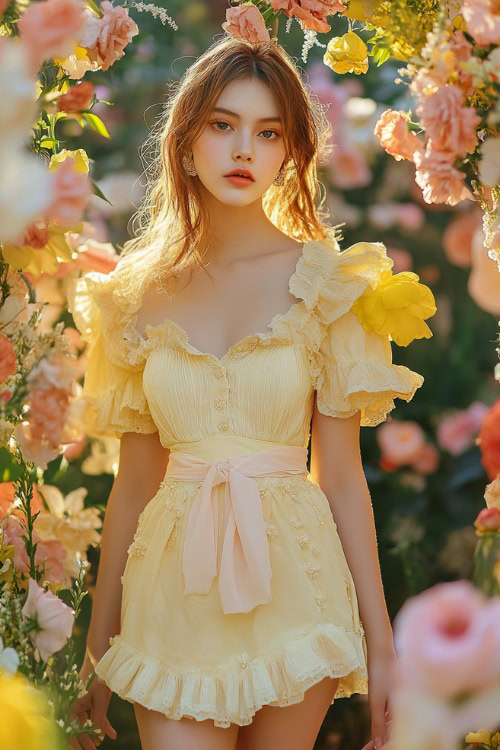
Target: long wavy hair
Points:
(172, 223)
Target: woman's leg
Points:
(157, 732)
(294, 727)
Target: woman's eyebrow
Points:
(235, 114)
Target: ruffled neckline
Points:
(279, 328)
(325, 282)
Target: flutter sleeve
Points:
(113, 397)
(363, 307)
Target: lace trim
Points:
(234, 694)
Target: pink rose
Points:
(400, 442)
(483, 20)
(457, 237)
(106, 38)
(410, 217)
(392, 132)
(349, 168)
(246, 22)
(311, 13)
(402, 259)
(448, 640)
(451, 126)
(438, 179)
(51, 28)
(54, 618)
(456, 433)
(72, 190)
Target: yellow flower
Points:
(27, 722)
(346, 54)
(362, 10)
(397, 307)
(80, 158)
(6, 562)
(485, 738)
(44, 259)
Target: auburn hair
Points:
(171, 226)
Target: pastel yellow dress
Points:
(180, 653)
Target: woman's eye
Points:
(221, 122)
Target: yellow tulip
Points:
(26, 722)
(397, 307)
(347, 54)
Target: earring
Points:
(188, 164)
(279, 180)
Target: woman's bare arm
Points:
(336, 465)
(143, 462)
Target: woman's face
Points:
(251, 138)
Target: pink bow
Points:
(245, 568)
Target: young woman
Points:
(224, 340)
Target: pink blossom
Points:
(438, 179)
(400, 442)
(72, 189)
(451, 126)
(410, 216)
(402, 259)
(51, 28)
(246, 22)
(456, 433)
(457, 237)
(448, 640)
(311, 13)
(349, 168)
(8, 359)
(13, 532)
(51, 554)
(106, 38)
(427, 461)
(393, 135)
(54, 618)
(483, 20)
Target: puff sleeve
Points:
(113, 397)
(354, 370)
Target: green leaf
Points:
(97, 191)
(48, 143)
(96, 123)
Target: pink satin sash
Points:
(245, 568)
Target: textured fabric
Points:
(180, 653)
(245, 570)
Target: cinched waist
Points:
(245, 569)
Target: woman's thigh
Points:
(294, 727)
(157, 732)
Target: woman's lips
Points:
(236, 180)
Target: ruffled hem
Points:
(233, 697)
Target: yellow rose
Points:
(346, 54)
(26, 715)
(397, 307)
(362, 10)
(45, 256)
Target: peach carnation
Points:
(438, 179)
(400, 442)
(457, 237)
(246, 22)
(451, 126)
(311, 13)
(483, 20)
(50, 28)
(106, 38)
(394, 136)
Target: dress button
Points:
(219, 374)
(219, 404)
(223, 426)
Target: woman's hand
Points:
(381, 666)
(93, 705)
